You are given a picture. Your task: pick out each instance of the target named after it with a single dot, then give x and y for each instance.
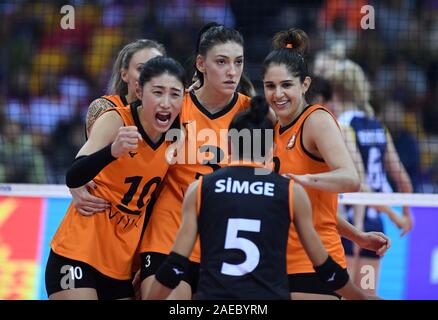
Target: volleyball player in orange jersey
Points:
(310, 149)
(121, 92)
(219, 64)
(126, 155)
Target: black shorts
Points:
(151, 261)
(309, 283)
(63, 273)
(370, 224)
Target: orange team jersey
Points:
(291, 157)
(166, 217)
(107, 241)
(117, 101)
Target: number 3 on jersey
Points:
(232, 241)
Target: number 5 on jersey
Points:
(232, 241)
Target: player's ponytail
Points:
(246, 87)
(253, 118)
(198, 74)
(289, 49)
(295, 39)
(255, 124)
(258, 111)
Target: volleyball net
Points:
(354, 198)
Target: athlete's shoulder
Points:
(127, 110)
(96, 108)
(318, 108)
(187, 100)
(318, 114)
(188, 104)
(116, 100)
(243, 100)
(100, 104)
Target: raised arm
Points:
(84, 202)
(108, 140)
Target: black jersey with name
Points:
(244, 219)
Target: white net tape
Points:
(410, 199)
(34, 190)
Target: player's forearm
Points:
(186, 236)
(338, 180)
(183, 244)
(85, 168)
(347, 230)
(312, 244)
(158, 291)
(351, 292)
(406, 211)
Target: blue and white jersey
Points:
(370, 136)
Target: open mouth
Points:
(163, 118)
(281, 104)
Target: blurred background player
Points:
(310, 149)
(126, 156)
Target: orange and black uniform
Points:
(201, 155)
(108, 241)
(292, 157)
(117, 101)
(243, 226)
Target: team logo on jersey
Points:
(291, 142)
(185, 124)
(177, 271)
(332, 278)
(132, 154)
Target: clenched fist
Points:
(127, 140)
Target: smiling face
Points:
(132, 73)
(162, 98)
(222, 67)
(285, 93)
